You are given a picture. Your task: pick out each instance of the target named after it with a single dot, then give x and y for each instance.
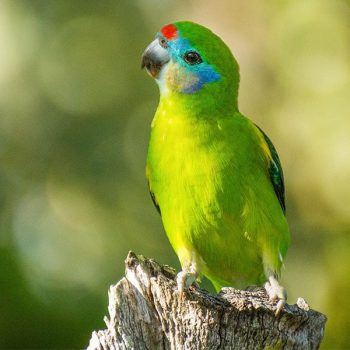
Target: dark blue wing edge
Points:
(276, 172)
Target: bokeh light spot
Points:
(82, 69)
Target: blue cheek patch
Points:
(204, 72)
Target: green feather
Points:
(209, 170)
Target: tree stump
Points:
(147, 312)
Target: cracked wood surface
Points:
(146, 312)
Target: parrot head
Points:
(190, 61)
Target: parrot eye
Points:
(193, 57)
(163, 43)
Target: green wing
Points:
(276, 172)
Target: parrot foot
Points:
(185, 278)
(276, 293)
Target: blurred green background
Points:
(75, 111)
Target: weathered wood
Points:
(146, 312)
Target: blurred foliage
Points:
(75, 111)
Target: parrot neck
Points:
(202, 104)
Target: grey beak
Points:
(154, 58)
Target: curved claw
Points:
(185, 278)
(276, 293)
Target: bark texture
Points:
(147, 312)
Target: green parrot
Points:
(214, 176)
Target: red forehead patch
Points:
(169, 31)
